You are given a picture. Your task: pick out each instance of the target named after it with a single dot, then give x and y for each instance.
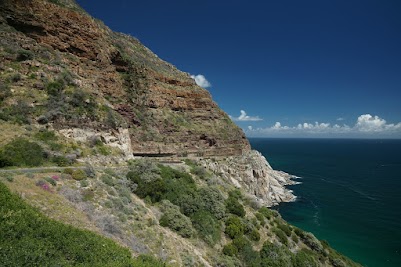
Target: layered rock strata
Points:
(126, 84)
(69, 72)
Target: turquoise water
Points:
(349, 196)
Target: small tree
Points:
(175, 220)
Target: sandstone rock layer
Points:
(126, 85)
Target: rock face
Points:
(122, 83)
(67, 71)
(253, 173)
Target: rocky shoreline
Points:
(251, 172)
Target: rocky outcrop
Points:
(253, 173)
(119, 139)
(125, 85)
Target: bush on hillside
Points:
(281, 236)
(234, 207)
(207, 226)
(5, 91)
(21, 152)
(254, 235)
(266, 212)
(304, 258)
(230, 250)
(23, 55)
(78, 174)
(273, 255)
(175, 220)
(283, 226)
(211, 199)
(234, 227)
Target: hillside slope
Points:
(180, 213)
(109, 98)
(74, 72)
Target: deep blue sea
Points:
(349, 196)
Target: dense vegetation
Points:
(209, 212)
(28, 238)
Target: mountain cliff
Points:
(63, 70)
(87, 76)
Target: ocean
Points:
(349, 193)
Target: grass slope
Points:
(28, 238)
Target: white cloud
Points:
(369, 123)
(201, 81)
(366, 125)
(244, 117)
(340, 119)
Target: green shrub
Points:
(88, 195)
(234, 207)
(90, 171)
(124, 192)
(18, 113)
(304, 258)
(54, 88)
(230, 250)
(260, 218)
(175, 220)
(23, 55)
(51, 181)
(54, 146)
(281, 236)
(103, 150)
(154, 190)
(283, 226)
(9, 177)
(199, 171)
(30, 175)
(240, 242)
(234, 227)
(299, 232)
(15, 77)
(28, 238)
(273, 255)
(143, 169)
(336, 262)
(148, 261)
(21, 152)
(208, 227)
(45, 135)
(236, 193)
(107, 179)
(245, 252)
(78, 174)
(61, 161)
(266, 212)
(254, 235)
(68, 171)
(5, 91)
(211, 199)
(311, 241)
(179, 186)
(84, 183)
(146, 182)
(295, 238)
(249, 256)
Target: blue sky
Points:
(285, 68)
